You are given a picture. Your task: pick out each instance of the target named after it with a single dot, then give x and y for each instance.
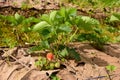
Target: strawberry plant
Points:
(90, 30)
(114, 19)
(56, 31)
(111, 68)
(113, 26)
(54, 77)
(45, 63)
(58, 28)
(97, 38)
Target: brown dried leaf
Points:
(10, 52)
(38, 75)
(6, 70)
(18, 74)
(66, 75)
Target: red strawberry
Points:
(49, 56)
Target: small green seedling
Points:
(54, 77)
(111, 68)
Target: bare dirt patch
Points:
(16, 64)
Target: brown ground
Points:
(15, 64)
(36, 7)
(91, 67)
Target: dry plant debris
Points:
(91, 67)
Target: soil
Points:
(35, 7)
(16, 64)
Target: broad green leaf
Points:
(45, 45)
(110, 68)
(12, 20)
(62, 12)
(73, 54)
(114, 18)
(30, 20)
(98, 30)
(17, 16)
(41, 25)
(112, 29)
(90, 20)
(64, 53)
(81, 24)
(54, 77)
(81, 37)
(71, 12)
(45, 17)
(45, 33)
(86, 23)
(64, 28)
(52, 15)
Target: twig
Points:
(109, 76)
(100, 77)
(18, 61)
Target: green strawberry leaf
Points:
(40, 26)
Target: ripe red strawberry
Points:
(49, 56)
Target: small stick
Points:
(109, 76)
(18, 61)
(100, 77)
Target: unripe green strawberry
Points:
(57, 65)
(52, 65)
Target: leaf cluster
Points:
(54, 31)
(58, 28)
(16, 30)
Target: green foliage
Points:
(54, 31)
(111, 68)
(109, 2)
(64, 52)
(115, 17)
(86, 23)
(69, 52)
(25, 5)
(43, 63)
(97, 39)
(17, 29)
(94, 3)
(54, 77)
(10, 42)
(40, 26)
(64, 26)
(73, 54)
(0, 32)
